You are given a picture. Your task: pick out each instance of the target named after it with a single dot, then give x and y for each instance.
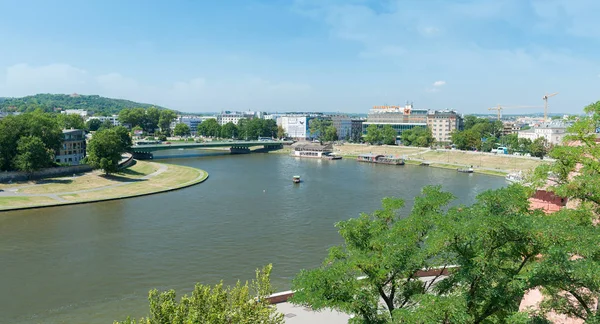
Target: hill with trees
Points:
(51, 102)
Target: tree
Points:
(489, 144)
(356, 135)
(68, 121)
(105, 149)
(389, 135)
(93, 124)
(107, 124)
(229, 130)
(318, 127)
(151, 119)
(209, 127)
(569, 271)
(417, 136)
(245, 304)
(330, 134)
(374, 134)
(38, 124)
(32, 154)
(281, 132)
(124, 137)
(165, 120)
(386, 250)
(182, 129)
(466, 140)
(538, 147)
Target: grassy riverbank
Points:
(498, 165)
(141, 179)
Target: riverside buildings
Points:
(441, 122)
(343, 125)
(553, 132)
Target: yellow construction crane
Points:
(499, 109)
(545, 98)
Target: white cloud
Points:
(439, 83)
(197, 94)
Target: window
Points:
(70, 160)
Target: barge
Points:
(380, 159)
(315, 151)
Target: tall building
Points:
(191, 121)
(343, 125)
(356, 129)
(442, 123)
(400, 118)
(72, 149)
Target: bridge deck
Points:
(178, 145)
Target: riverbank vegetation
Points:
(485, 258)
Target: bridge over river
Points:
(235, 147)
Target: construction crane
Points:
(499, 109)
(545, 98)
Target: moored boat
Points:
(380, 159)
(466, 170)
(296, 179)
(514, 177)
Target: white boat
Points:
(514, 177)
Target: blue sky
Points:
(310, 55)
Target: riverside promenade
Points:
(141, 179)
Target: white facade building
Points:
(114, 119)
(80, 112)
(296, 127)
(553, 132)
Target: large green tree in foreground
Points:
(493, 243)
(32, 154)
(244, 304)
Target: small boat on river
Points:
(380, 159)
(296, 179)
(514, 177)
(466, 170)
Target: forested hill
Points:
(50, 102)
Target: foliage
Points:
(14, 127)
(68, 121)
(148, 118)
(209, 127)
(124, 137)
(356, 135)
(165, 119)
(253, 128)
(32, 154)
(418, 136)
(475, 129)
(229, 130)
(93, 124)
(182, 129)
(538, 147)
(571, 269)
(318, 128)
(107, 124)
(105, 149)
(281, 132)
(218, 305)
(374, 135)
(388, 135)
(386, 250)
(49, 102)
(466, 140)
(330, 134)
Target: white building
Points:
(296, 127)
(114, 119)
(553, 132)
(191, 121)
(442, 123)
(80, 112)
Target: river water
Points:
(95, 263)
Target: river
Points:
(95, 263)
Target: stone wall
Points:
(46, 173)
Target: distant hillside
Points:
(51, 102)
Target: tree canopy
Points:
(68, 121)
(36, 124)
(106, 148)
(374, 135)
(244, 304)
(32, 154)
(318, 128)
(49, 102)
(182, 129)
(418, 136)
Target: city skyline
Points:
(306, 55)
